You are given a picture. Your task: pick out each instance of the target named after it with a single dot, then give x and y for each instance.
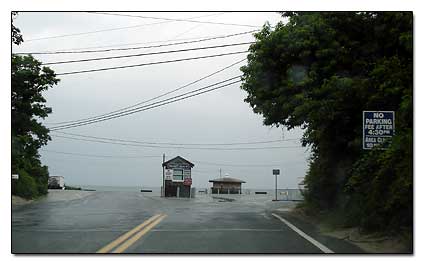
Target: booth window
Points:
(186, 173)
(178, 174)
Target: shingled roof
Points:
(178, 158)
(227, 180)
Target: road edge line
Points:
(126, 235)
(138, 235)
(304, 235)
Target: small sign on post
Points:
(168, 174)
(276, 172)
(15, 176)
(187, 181)
(378, 126)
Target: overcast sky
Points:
(219, 116)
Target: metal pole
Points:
(164, 181)
(276, 187)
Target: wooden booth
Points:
(177, 177)
(226, 185)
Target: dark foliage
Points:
(29, 80)
(319, 71)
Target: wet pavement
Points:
(85, 222)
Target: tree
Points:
(17, 38)
(29, 80)
(319, 71)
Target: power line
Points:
(99, 156)
(156, 97)
(104, 30)
(176, 147)
(187, 31)
(132, 48)
(192, 28)
(139, 157)
(146, 54)
(147, 107)
(153, 63)
(176, 19)
(143, 43)
(174, 144)
(236, 165)
(136, 110)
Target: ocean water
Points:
(282, 194)
(117, 188)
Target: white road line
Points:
(217, 229)
(304, 235)
(283, 209)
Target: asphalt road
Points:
(132, 222)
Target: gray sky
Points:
(220, 116)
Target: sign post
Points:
(276, 172)
(163, 191)
(378, 126)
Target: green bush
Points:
(319, 71)
(25, 186)
(381, 187)
(316, 178)
(42, 180)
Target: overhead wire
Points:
(163, 104)
(132, 48)
(156, 97)
(234, 165)
(152, 63)
(176, 147)
(157, 156)
(187, 31)
(193, 28)
(151, 106)
(145, 106)
(204, 38)
(173, 144)
(146, 54)
(107, 30)
(175, 19)
(99, 156)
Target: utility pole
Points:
(220, 172)
(164, 181)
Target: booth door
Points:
(171, 191)
(184, 191)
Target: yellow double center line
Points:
(130, 237)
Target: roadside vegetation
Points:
(72, 188)
(319, 71)
(29, 80)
